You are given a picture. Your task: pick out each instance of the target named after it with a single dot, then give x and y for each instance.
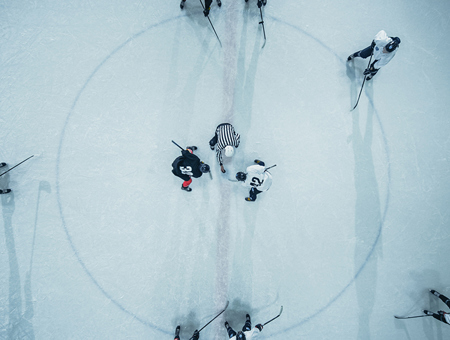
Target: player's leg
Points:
(248, 324)
(230, 330)
(367, 52)
(252, 195)
(443, 298)
(186, 184)
(177, 333)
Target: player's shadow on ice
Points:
(368, 214)
(245, 79)
(235, 314)
(189, 323)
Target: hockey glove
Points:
(259, 326)
(259, 3)
(372, 71)
(196, 335)
(373, 44)
(441, 312)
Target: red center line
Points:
(223, 227)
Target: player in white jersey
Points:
(383, 49)
(247, 332)
(256, 178)
(440, 315)
(224, 141)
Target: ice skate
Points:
(186, 188)
(5, 191)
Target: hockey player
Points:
(4, 191)
(188, 165)
(260, 3)
(195, 336)
(383, 49)
(440, 315)
(207, 6)
(257, 178)
(247, 332)
(225, 140)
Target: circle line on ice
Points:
(69, 238)
(71, 241)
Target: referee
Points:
(225, 140)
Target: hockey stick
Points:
(264, 31)
(16, 166)
(223, 310)
(281, 310)
(212, 25)
(362, 84)
(177, 145)
(410, 317)
(270, 167)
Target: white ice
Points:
(99, 241)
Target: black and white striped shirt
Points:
(225, 136)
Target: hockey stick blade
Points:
(410, 317)
(281, 311)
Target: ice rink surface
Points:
(99, 241)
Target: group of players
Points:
(247, 333)
(382, 49)
(208, 3)
(225, 140)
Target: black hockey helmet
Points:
(241, 176)
(393, 44)
(240, 336)
(204, 168)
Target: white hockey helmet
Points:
(229, 151)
